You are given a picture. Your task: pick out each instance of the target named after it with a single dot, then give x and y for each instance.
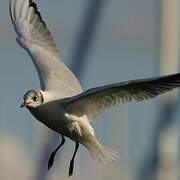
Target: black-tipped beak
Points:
(24, 104)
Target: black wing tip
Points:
(170, 78)
(31, 4)
(34, 5)
(10, 11)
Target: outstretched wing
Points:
(94, 101)
(35, 38)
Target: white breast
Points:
(52, 115)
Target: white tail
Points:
(98, 151)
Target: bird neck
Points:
(48, 96)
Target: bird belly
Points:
(76, 128)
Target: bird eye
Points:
(35, 98)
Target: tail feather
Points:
(99, 151)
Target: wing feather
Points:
(35, 38)
(93, 101)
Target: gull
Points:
(60, 103)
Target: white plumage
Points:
(60, 104)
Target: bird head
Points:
(32, 99)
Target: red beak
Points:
(24, 104)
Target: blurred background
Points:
(103, 42)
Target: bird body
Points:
(53, 115)
(61, 104)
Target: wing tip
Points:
(10, 10)
(34, 6)
(31, 4)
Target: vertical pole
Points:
(169, 63)
(85, 35)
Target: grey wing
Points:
(35, 38)
(93, 101)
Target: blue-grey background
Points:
(125, 45)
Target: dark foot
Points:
(51, 159)
(71, 167)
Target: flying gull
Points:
(61, 104)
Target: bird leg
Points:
(71, 167)
(51, 159)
